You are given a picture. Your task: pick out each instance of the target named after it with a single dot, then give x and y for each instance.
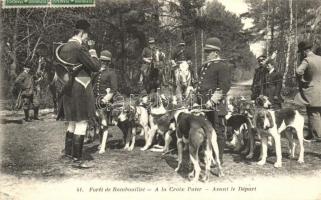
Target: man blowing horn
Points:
(76, 63)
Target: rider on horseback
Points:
(147, 57)
(152, 58)
(182, 73)
(181, 55)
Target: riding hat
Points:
(261, 58)
(83, 25)
(304, 45)
(213, 44)
(105, 55)
(151, 40)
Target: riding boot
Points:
(36, 113)
(67, 151)
(77, 146)
(27, 119)
(68, 143)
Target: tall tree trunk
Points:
(123, 57)
(296, 40)
(195, 49)
(13, 52)
(202, 40)
(288, 54)
(267, 28)
(272, 29)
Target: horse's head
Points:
(184, 74)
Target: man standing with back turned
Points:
(76, 63)
(310, 78)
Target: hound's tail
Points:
(214, 145)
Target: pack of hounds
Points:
(158, 117)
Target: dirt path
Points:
(31, 168)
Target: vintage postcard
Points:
(160, 99)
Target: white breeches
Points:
(78, 128)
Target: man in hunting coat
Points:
(76, 63)
(214, 82)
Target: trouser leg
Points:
(26, 107)
(36, 113)
(314, 121)
(221, 137)
(26, 112)
(35, 105)
(218, 123)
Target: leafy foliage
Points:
(123, 27)
(272, 20)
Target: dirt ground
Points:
(30, 159)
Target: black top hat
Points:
(83, 25)
(304, 45)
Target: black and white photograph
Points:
(160, 99)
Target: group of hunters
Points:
(267, 81)
(77, 61)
